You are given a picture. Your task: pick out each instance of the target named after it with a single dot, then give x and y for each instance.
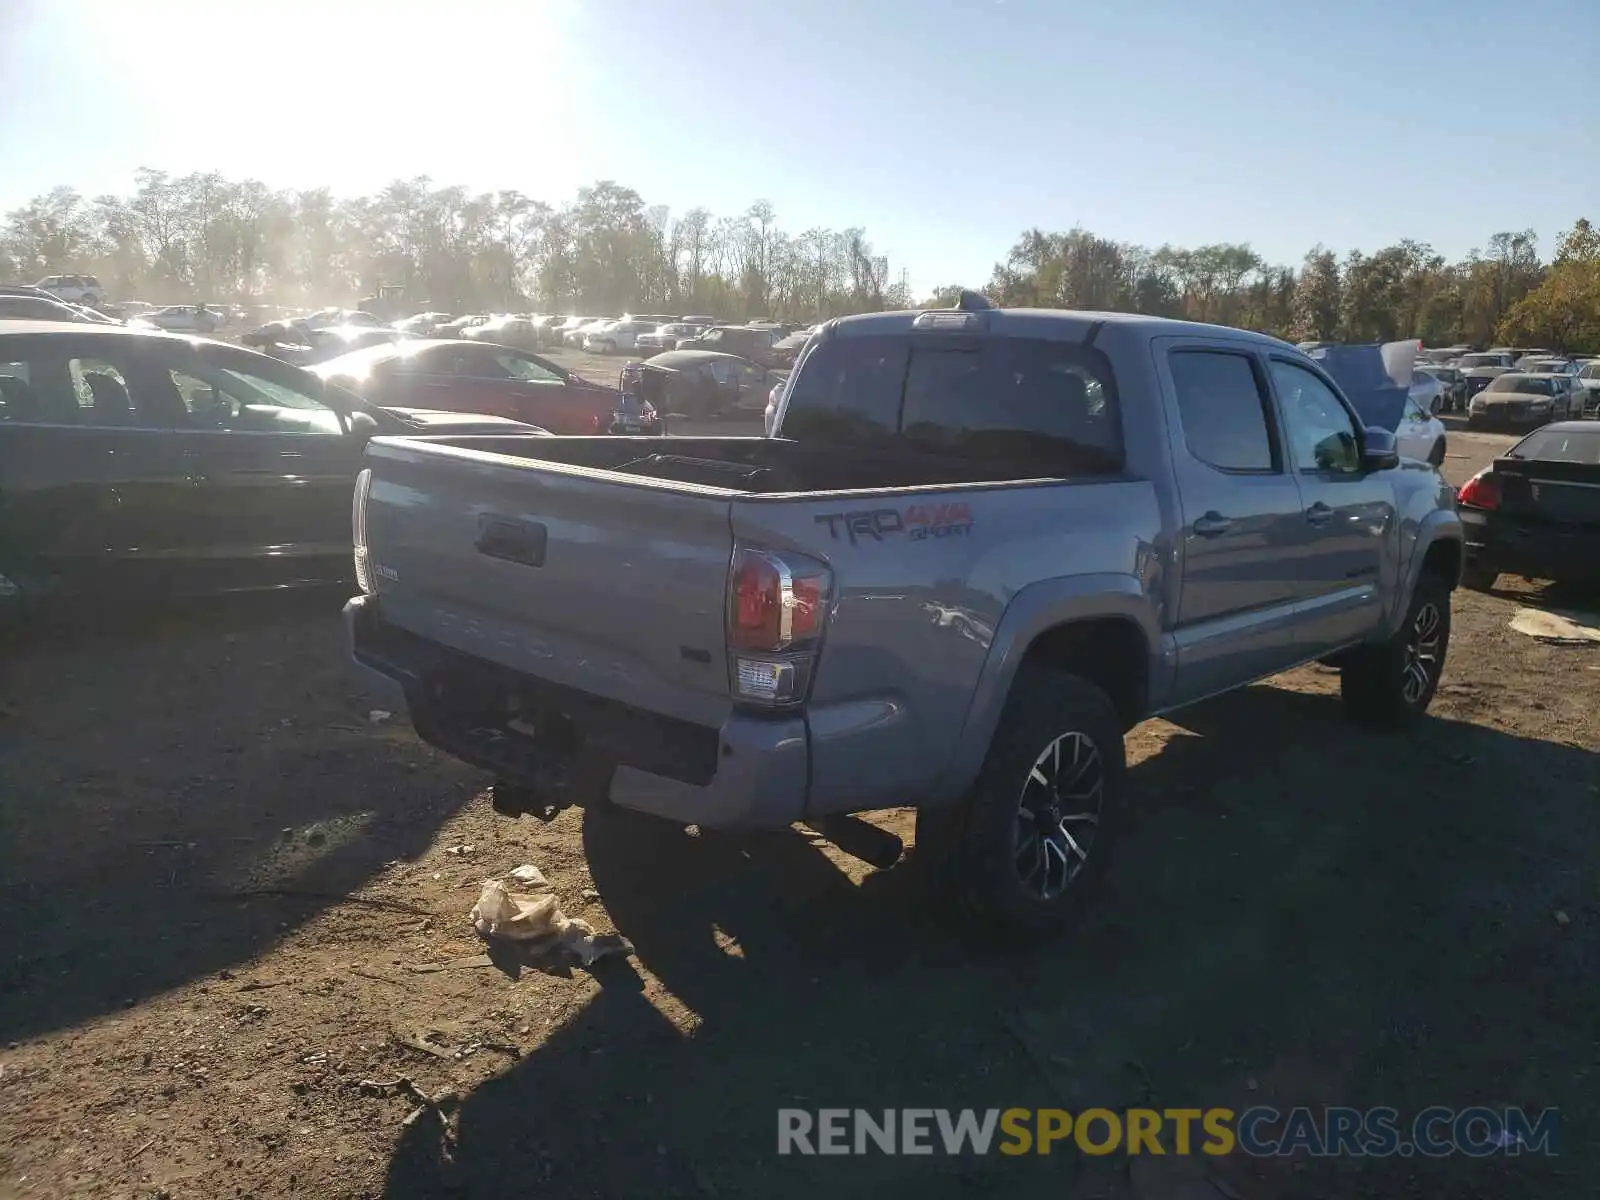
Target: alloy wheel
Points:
(1058, 815)
(1422, 652)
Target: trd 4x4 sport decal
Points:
(919, 522)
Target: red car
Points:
(480, 377)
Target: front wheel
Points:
(1390, 685)
(1436, 455)
(1035, 830)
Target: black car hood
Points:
(436, 421)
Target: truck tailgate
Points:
(611, 586)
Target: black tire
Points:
(1436, 455)
(1474, 423)
(978, 847)
(1390, 685)
(1477, 577)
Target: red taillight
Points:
(777, 600)
(1481, 491)
(777, 608)
(757, 601)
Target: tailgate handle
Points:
(515, 541)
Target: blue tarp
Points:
(1376, 379)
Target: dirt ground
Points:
(228, 891)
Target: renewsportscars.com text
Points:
(1258, 1132)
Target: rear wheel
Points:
(1436, 455)
(1391, 684)
(1034, 833)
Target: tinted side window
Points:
(1223, 410)
(1322, 437)
(848, 387)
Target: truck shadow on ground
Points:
(157, 765)
(1300, 912)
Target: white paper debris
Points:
(1557, 625)
(537, 922)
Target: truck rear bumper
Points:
(749, 773)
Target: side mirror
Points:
(1379, 450)
(362, 425)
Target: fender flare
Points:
(1440, 525)
(1035, 609)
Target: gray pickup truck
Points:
(980, 546)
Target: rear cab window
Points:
(1037, 405)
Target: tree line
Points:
(205, 237)
(1501, 293)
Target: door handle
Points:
(1213, 524)
(1319, 513)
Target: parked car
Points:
(135, 462)
(1589, 381)
(852, 615)
(752, 342)
(666, 337)
(41, 308)
(1532, 365)
(336, 340)
(184, 318)
(574, 335)
(1454, 387)
(479, 377)
(1515, 399)
(518, 332)
(616, 337)
(547, 327)
(1478, 371)
(76, 289)
(1535, 510)
(787, 348)
(423, 324)
(453, 329)
(704, 383)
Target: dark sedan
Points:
(481, 377)
(704, 383)
(135, 461)
(1516, 399)
(1535, 511)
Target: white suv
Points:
(618, 335)
(74, 289)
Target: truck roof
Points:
(1049, 323)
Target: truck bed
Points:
(751, 465)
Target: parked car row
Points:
(139, 461)
(1512, 386)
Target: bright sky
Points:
(945, 127)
